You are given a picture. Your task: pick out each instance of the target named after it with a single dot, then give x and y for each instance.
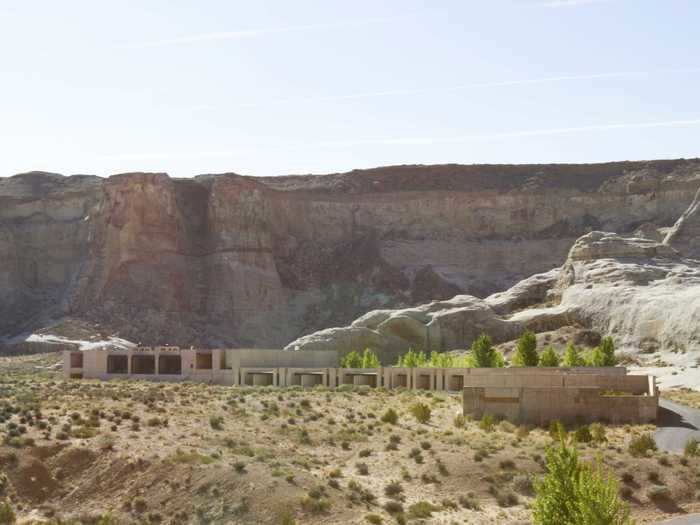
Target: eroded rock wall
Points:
(233, 260)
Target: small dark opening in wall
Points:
(143, 364)
(170, 364)
(76, 376)
(117, 364)
(76, 360)
(203, 361)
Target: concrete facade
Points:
(526, 395)
(570, 396)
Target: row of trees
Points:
(482, 354)
(526, 354)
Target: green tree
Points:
(607, 347)
(370, 359)
(595, 357)
(351, 360)
(483, 353)
(549, 357)
(572, 357)
(574, 493)
(526, 350)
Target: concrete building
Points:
(525, 395)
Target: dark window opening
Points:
(76, 360)
(143, 364)
(169, 364)
(117, 364)
(204, 361)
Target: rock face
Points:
(684, 236)
(643, 293)
(234, 260)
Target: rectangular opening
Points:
(456, 383)
(117, 364)
(143, 364)
(76, 360)
(222, 361)
(423, 382)
(401, 380)
(364, 380)
(203, 361)
(259, 378)
(307, 380)
(76, 376)
(170, 364)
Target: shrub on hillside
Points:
(421, 412)
(640, 445)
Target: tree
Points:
(370, 359)
(526, 350)
(572, 357)
(483, 353)
(607, 347)
(595, 357)
(351, 360)
(549, 357)
(574, 493)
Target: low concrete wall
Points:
(539, 406)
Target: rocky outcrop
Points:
(229, 260)
(643, 293)
(684, 236)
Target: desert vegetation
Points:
(138, 452)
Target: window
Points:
(143, 364)
(76, 360)
(117, 364)
(169, 364)
(204, 361)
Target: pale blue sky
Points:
(275, 87)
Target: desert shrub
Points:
(549, 357)
(583, 434)
(393, 489)
(522, 483)
(575, 493)
(139, 505)
(654, 476)
(421, 412)
(598, 432)
(239, 467)
(506, 426)
(469, 501)
(526, 350)
(640, 445)
(691, 447)
(556, 429)
(314, 505)
(522, 432)
(422, 509)
(7, 515)
(216, 422)
(374, 519)
(658, 492)
(459, 421)
(393, 507)
(362, 468)
(487, 422)
(507, 499)
(390, 416)
(507, 464)
(627, 477)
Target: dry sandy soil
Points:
(193, 453)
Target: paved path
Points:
(676, 424)
(690, 519)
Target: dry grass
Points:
(194, 453)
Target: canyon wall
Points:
(231, 260)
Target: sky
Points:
(279, 87)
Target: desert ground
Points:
(135, 452)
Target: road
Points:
(676, 425)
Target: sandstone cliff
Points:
(234, 260)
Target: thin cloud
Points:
(461, 87)
(572, 3)
(406, 141)
(260, 32)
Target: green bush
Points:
(368, 359)
(549, 357)
(390, 416)
(639, 445)
(556, 430)
(526, 350)
(484, 355)
(7, 515)
(574, 493)
(583, 434)
(421, 412)
(598, 432)
(487, 423)
(691, 447)
(572, 357)
(422, 510)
